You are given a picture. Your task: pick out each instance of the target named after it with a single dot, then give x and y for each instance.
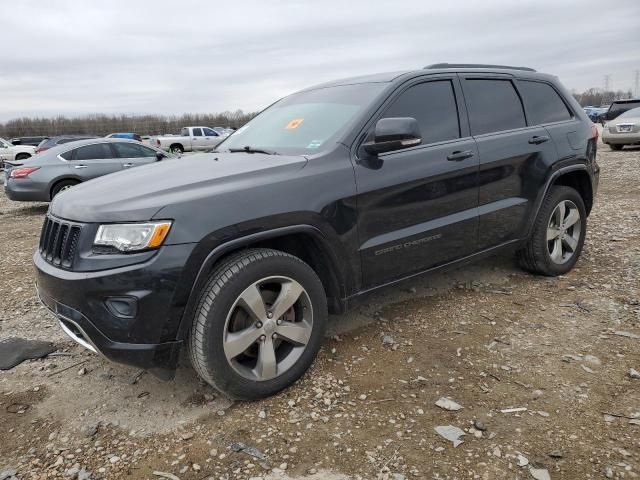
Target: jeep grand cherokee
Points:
(333, 191)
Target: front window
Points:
(305, 123)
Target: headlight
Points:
(132, 237)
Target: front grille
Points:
(58, 242)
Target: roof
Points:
(389, 77)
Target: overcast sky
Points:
(171, 57)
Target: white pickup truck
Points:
(191, 139)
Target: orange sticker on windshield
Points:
(295, 123)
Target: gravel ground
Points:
(541, 368)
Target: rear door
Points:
(91, 161)
(417, 207)
(211, 138)
(134, 155)
(513, 157)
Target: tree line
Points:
(101, 124)
(597, 96)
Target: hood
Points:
(138, 194)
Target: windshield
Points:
(633, 113)
(306, 122)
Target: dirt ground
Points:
(488, 336)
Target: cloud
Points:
(69, 57)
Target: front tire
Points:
(259, 323)
(558, 234)
(615, 147)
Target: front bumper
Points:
(146, 337)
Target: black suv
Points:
(329, 193)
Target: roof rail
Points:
(475, 65)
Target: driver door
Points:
(417, 207)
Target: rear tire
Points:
(176, 149)
(615, 147)
(558, 235)
(62, 186)
(259, 323)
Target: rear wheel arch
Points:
(23, 156)
(58, 184)
(176, 146)
(580, 181)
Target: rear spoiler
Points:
(7, 164)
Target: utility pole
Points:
(607, 81)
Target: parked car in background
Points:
(130, 136)
(623, 130)
(618, 107)
(32, 141)
(59, 140)
(225, 132)
(191, 139)
(10, 152)
(594, 113)
(327, 194)
(61, 167)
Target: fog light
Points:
(122, 307)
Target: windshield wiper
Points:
(249, 149)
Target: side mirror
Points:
(394, 134)
(159, 156)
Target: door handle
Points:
(458, 155)
(127, 165)
(78, 167)
(536, 140)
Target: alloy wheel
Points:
(563, 232)
(268, 328)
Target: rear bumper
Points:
(620, 138)
(25, 190)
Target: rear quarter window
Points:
(542, 103)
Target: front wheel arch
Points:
(23, 156)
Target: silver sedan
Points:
(623, 130)
(43, 176)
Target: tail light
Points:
(22, 172)
(594, 132)
(158, 142)
(41, 149)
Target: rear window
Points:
(493, 106)
(197, 132)
(97, 151)
(542, 103)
